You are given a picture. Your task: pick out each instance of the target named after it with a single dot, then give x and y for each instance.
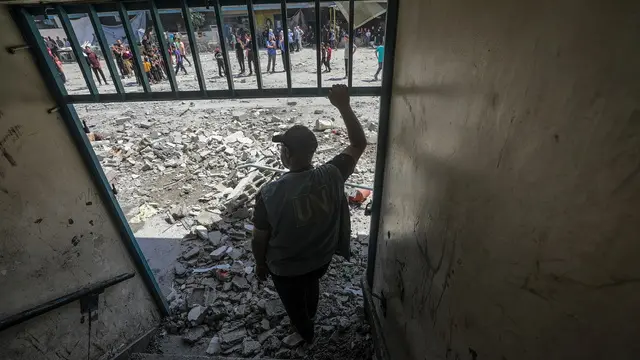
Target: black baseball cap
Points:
(298, 139)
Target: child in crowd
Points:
(218, 55)
(328, 63)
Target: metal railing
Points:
(123, 9)
(61, 301)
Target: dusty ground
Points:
(303, 73)
(175, 166)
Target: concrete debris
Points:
(240, 283)
(201, 232)
(231, 338)
(218, 253)
(293, 340)
(323, 124)
(215, 238)
(181, 177)
(274, 308)
(214, 347)
(194, 334)
(180, 270)
(191, 253)
(250, 347)
(196, 315)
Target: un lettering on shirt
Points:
(313, 206)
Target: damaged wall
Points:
(510, 211)
(55, 233)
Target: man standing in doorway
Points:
(347, 54)
(94, 62)
(380, 56)
(301, 219)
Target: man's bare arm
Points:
(339, 97)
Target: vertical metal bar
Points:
(254, 43)
(133, 45)
(39, 49)
(391, 32)
(223, 45)
(285, 38)
(350, 62)
(106, 50)
(318, 36)
(162, 43)
(77, 50)
(194, 47)
(68, 114)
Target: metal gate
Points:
(25, 15)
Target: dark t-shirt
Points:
(302, 211)
(239, 49)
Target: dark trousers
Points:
(179, 66)
(300, 295)
(346, 67)
(220, 67)
(250, 61)
(241, 62)
(379, 69)
(271, 63)
(97, 72)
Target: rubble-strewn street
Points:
(176, 169)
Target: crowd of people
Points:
(240, 42)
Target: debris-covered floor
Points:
(175, 166)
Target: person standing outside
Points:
(179, 61)
(271, 54)
(218, 55)
(248, 45)
(240, 54)
(301, 219)
(94, 62)
(347, 54)
(380, 57)
(183, 50)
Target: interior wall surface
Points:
(55, 233)
(510, 211)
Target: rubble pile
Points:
(179, 162)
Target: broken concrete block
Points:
(180, 270)
(193, 335)
(240, 282)
(197, 314)
(122, 120)
(236, 253)
(215, 238)
(208, 219)
(274, 308)
(323, 124)
(292, 340)
(228, 339)
(250, 347)
(214, 347)
(191, 253)
(201, 231)
(218, 253)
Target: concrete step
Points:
(186, 357)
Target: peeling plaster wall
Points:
(55, 233)
(511, 208)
